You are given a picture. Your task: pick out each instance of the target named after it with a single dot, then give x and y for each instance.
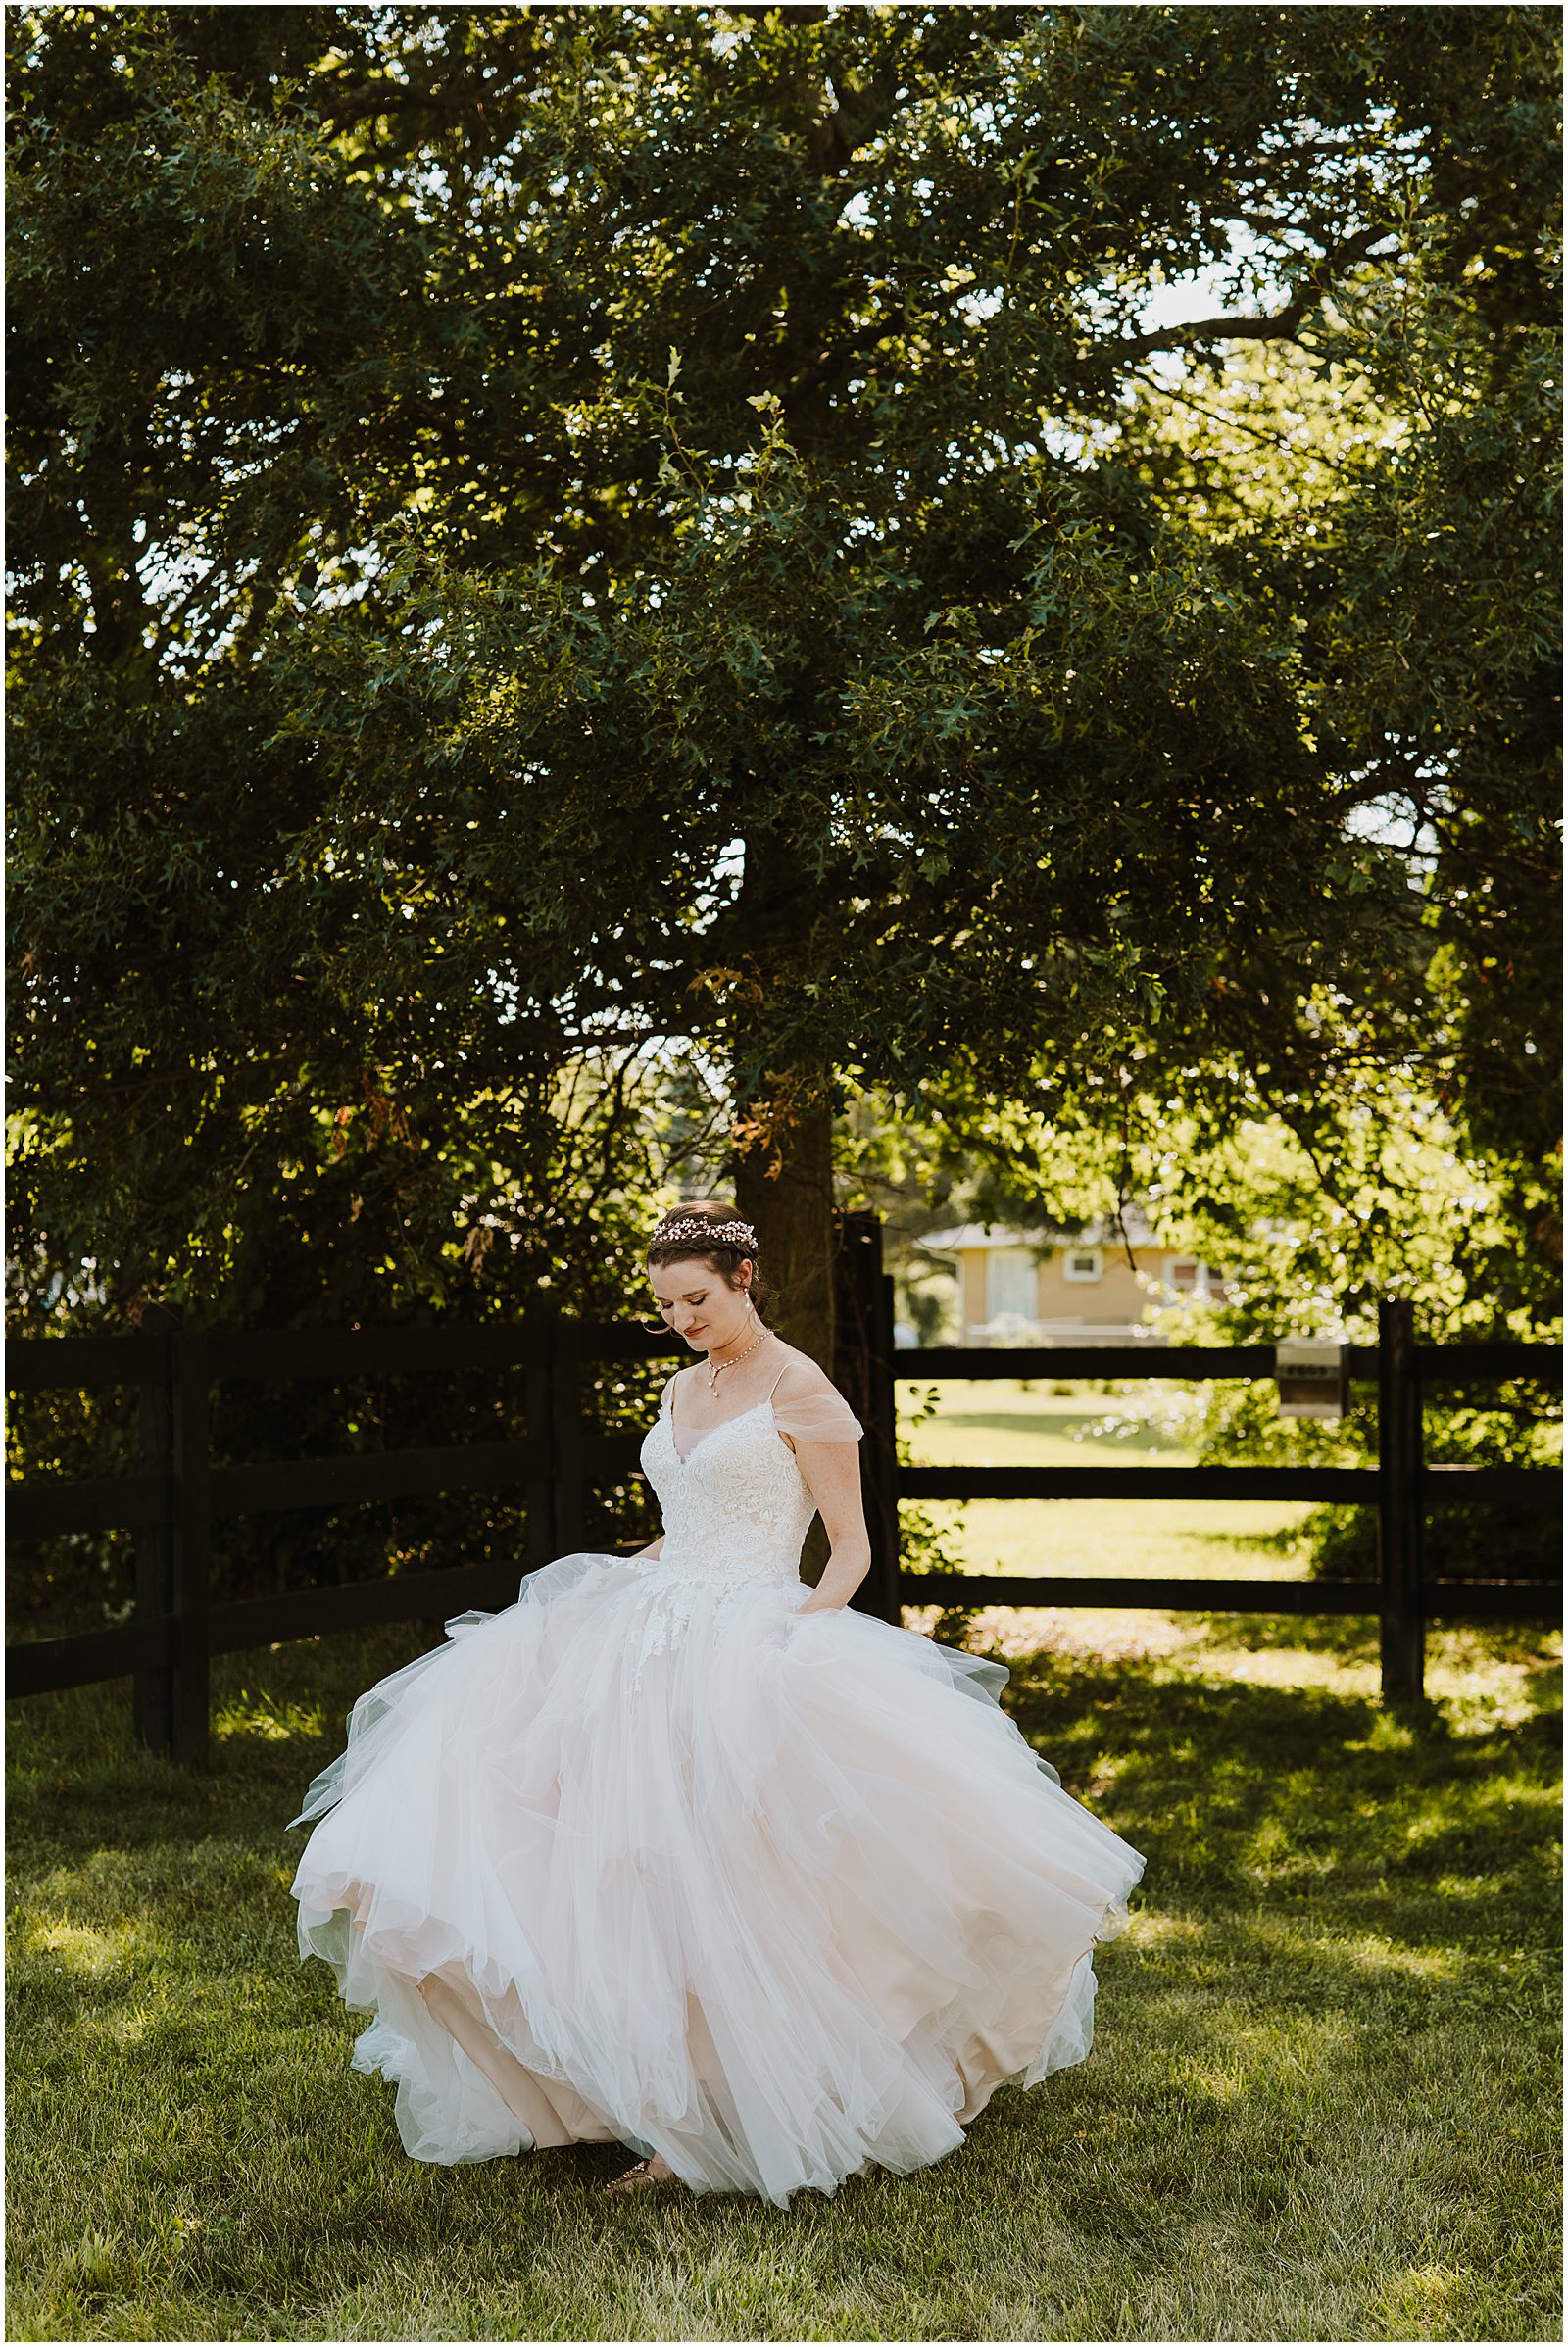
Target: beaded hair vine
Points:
(694, 1226)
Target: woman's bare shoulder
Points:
(800, 1376)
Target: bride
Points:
(676, 1853)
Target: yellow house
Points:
(1045, 1287)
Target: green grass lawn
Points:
(1010, 1424)
(1322, 2102)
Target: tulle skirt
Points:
(656, 1858)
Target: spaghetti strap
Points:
(773, 1388)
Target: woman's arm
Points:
(832, 1472)
(654, 1548)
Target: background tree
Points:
(554, 532)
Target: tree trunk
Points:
(782, 1136)
(784, 1188)
(782, 1157)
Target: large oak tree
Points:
(544, 533)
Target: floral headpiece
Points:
(696, 1226)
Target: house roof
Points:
(1106, 1231)
(970, 1235)
(967, 1236)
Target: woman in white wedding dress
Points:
(678, 1852)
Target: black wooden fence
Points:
(178, 1494)
(1400, 1486)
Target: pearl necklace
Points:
(715, 1369)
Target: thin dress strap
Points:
(774, 1387)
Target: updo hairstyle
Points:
(727, 1254)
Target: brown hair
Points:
(724, 1254)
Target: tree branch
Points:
(1278, 325)
(1234, 423)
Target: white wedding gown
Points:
(651, 1857)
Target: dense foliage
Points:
(803, 639)
(561, 550)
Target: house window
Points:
(1011, 1289)
(1083, 1264)
(1186, 1276)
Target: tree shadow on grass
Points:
(1158, 1730)
(1354, 1638)
(1244, 1794)
(1345, 1933)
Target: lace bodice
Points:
(737, 1505)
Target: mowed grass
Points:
(1010, 1423)
(1322, 2102)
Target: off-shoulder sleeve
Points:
(819, 1417)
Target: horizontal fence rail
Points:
(173, 1502)
(1436, 1364)
(1400, 1486)
(1356, 1485)
(1443, 1600)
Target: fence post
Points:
(152, 1687)
(567, 1447)
(863, 1372)
(1402, 1627)
(539, 1388)
(884, 1420)
(192, 1547)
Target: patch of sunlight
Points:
(1371, 1952)
(1088, 1633)
(1300, 1667)
(1293, 1944)
(1230, 2076)
(1106, 1774)
(245, 1714)
(1486, 1691)
(1415, 2303)
(1480, 1692)
(1439, 1809)
(1155, 1930)
(127, 2028)
(1452, 1888)
(1386, 1732)
(84, 1950)
(1271, 2039)
(1273, 1848)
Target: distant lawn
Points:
(1322, 2103)
(1012, 1423)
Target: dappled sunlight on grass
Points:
(1321, 2099)
(262, 1716)
(1478, 1677)
(128, 2027)
(83, 1949)
(1415, 2303)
